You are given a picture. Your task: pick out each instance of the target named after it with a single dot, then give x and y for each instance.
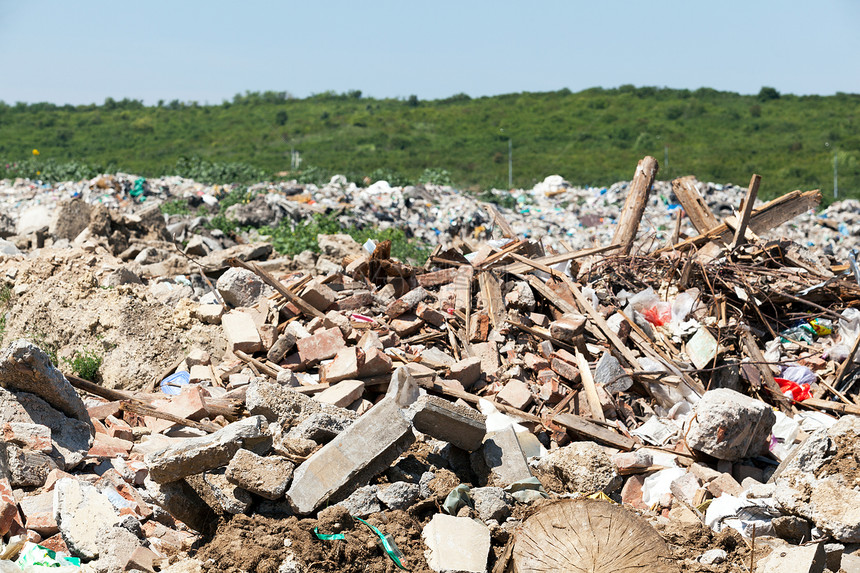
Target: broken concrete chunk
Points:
(350, 460)
(583, 467)
(79, 510)
(195, 455)
(456, 544)
(319, 296)
(399, 495)
(516, 393)
(466, 371)
(730, 426)
(208, 313)
(363, 502)
(612, 375)
(804, 559)
(462, 427)
(492, 503)
(345, 365)
(504, 457)
(282, 345)
(241, 332)
(242, 288)
(25, 367)
(376, 363)
(38, 510)
(568, 328)
(341, 394)
(403, 388)
(267, 476)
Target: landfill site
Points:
(655, 376)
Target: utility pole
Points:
(835, 174)
(510, 164)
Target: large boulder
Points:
(730, 426)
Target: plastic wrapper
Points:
(849, 326)
(799, 374)
(658, 484)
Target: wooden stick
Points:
(831, 406)
(503, 224)
(514, 246)
(767, 376)
(144, 410)
(634, 205)
(752, 193)
(306, 309)
(560, 258)
(265, 369)
(687, 192)
(590, 389)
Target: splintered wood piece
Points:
(590, 389)
(560, 258)
(500, 220)
(687, 191)
(495, 303)
(752, 193)
(586, 536)
(634, 205)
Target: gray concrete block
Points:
(439, 418)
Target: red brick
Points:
(724, 484)
(105, 446)
(631, 493)
(564, 369)
(406, 324)
(8, 507)
(517, 394)
(321, 346)
(535, 362)
(55, 543)
(345, 365)
(429, 314)
(466, 371)
(102, 411)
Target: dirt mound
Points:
(56, 301)
(259, 545)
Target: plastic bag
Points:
(684, 304)
(793, 390)
(799, 374)
(849, 326)
(659, 314)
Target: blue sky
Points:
(84, 51)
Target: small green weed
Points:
(175, 207)
(85, 363)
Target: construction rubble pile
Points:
(611, 383)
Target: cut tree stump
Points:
(589, 536)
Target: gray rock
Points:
(182, 502)
(267, 476)
(115, 546)
(363, 501)
(279, 403)
(71, 216)
(322, 427)
(256, 213)
(25, 367)
(504, 459)
(355, 456)
(221, 494)
(121, 276)
(713, 557)
(242, 288)
(459, 425)
(80, 510)
(8, 248)
(456, 544)
(611, 374)
(70, 437)
(730, 426)
(399, 495)
(492, 503)
(196, 455)
(583, 467)
(424, 484)
(27, 468)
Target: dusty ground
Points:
(56, 302)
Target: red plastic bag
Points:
(793, 390)
(659, 314)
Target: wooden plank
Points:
(562, 257)
(577, 424)
(304, 307)
(832, 406)
(768, 216)
(513, 247)
(495, 302)
(547, 293)
(500, 220)
(749, 201)
(687, 191)
(634, 205)
(590, 389)
(767, 376)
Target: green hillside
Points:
(592, 137)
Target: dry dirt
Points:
(57, 303)
(259, 545)
(846, 462)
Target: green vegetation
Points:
(175, 207)
(85, 363)
(593, 137)
(290, 239)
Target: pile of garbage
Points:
(681, 399)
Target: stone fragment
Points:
(182, 502)
(115, 547)
(334, 319)
(363, 502)
(321, 427)
(489, 355)
(466, 371)
(242, 288)
(34, 437)
(345, 365)
(70, 217)
(504, 457)
(725, 483)
(27, 468)
(282, 345)
(611, 374)
(403, 389)
(684, 488)
(279, 403)
(322, 345)
(80, 510)
(38, 510)
(319, 295)
(492, 503)
(341, 394)
(730, 426)
(406, 324)
(195, 455)
(406, 303)
(583, 467)
(516, 393)
(568, 328)
(267, 476)
(208, 313)
(713, 557)
(792, 528)
(352, 458)
(456, 544)
(631, 460)
(219, 493)
(462, 427)
(25, 367)
(399, 495)
(241, 332)
(803, 559)
(430, 315)
(376, 363)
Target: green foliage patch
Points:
(85, 363)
